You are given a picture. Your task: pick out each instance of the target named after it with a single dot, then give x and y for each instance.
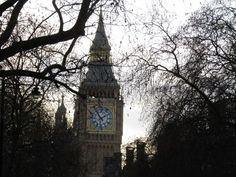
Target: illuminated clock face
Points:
(100, 118)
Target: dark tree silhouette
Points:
(27, 133)
(22, 31)
(190, 76)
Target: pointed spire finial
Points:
(61, 107)
(100, 49)
(100, 9)
(62, 102)
(62, 99)
(58, 103)
(100, 41)
(60, 115)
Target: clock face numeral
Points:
(100, 118)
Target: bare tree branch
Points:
(12, 22)
(59, 15)
(68, 51)
(76, 31)
(4, 6)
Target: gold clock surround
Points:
(108, 103)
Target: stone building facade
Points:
(98, 119)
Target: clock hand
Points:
(98, 114)
(106, 115)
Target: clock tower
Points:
(99, 114)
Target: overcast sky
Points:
(134, 124)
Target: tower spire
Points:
(60, 116)
(62, 100)
(100, 49)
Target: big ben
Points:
(99, 113)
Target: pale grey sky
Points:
(134, 127)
